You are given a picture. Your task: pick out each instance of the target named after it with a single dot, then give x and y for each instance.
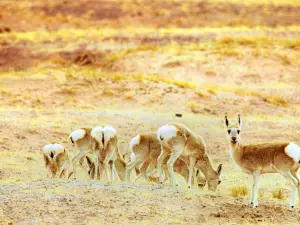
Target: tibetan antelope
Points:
(177, 140)
(105, 145)
(81, 138)
(119, 164)
(57, 161)
(257, 159)
(144, 149)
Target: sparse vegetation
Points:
(239, 191)
(134, 65)
(129, 94)
(279, 194)
(107, 91)
(67, 90)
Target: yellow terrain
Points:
(134, 64)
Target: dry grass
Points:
(270, 98)
(264, 2)
(68, 90)
(194, 107)
(109, 92)
(5, 92)
(239, 191)
(258, 41)
(206, 90)
(201, 92)
(129, 94)
(112, 58)
(279, 194)
(210, 72)
(285, 58)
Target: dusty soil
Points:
(88, 202)
(134, 65)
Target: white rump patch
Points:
(166, 132)
(293, 151)
(47, 147)
(53, 147)
(58, 147)
(134, 141)
(109, 132)
(97, 133)
(77, 134)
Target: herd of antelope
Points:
(173, 148)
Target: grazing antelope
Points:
(119, 164)
(145, 149)
(257, 159)
(105, 145)
(57, 160)
(177, 140)
(82, 140)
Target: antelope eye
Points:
(219, 182)
(238, 131)
(229, 131)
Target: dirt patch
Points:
(77, 202)
(5, 30)
(15, 58)
(83, 13)
(80, 57)
(97, 10)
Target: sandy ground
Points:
(88, 202)
(72, 64)
(28, 197)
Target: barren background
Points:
(134, 64)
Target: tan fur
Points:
(265, 157)
(83, 147)
(147, 152)
(191, 146)
(257, 159)
(119, 164)
(107, 156)
(58, 166)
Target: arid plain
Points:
(134, 65)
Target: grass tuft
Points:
(239, 191)
(279, 194)
(107, 91)
(129, 94)
(68, 90)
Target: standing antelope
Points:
(178, 140)
(57, 161)
(119, 164)
(82, 140)
(145, 149)
(257, 159)
(105, 145)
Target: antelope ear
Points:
(89, 161)
(239, 121)
(219, 170)
(226, 121)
